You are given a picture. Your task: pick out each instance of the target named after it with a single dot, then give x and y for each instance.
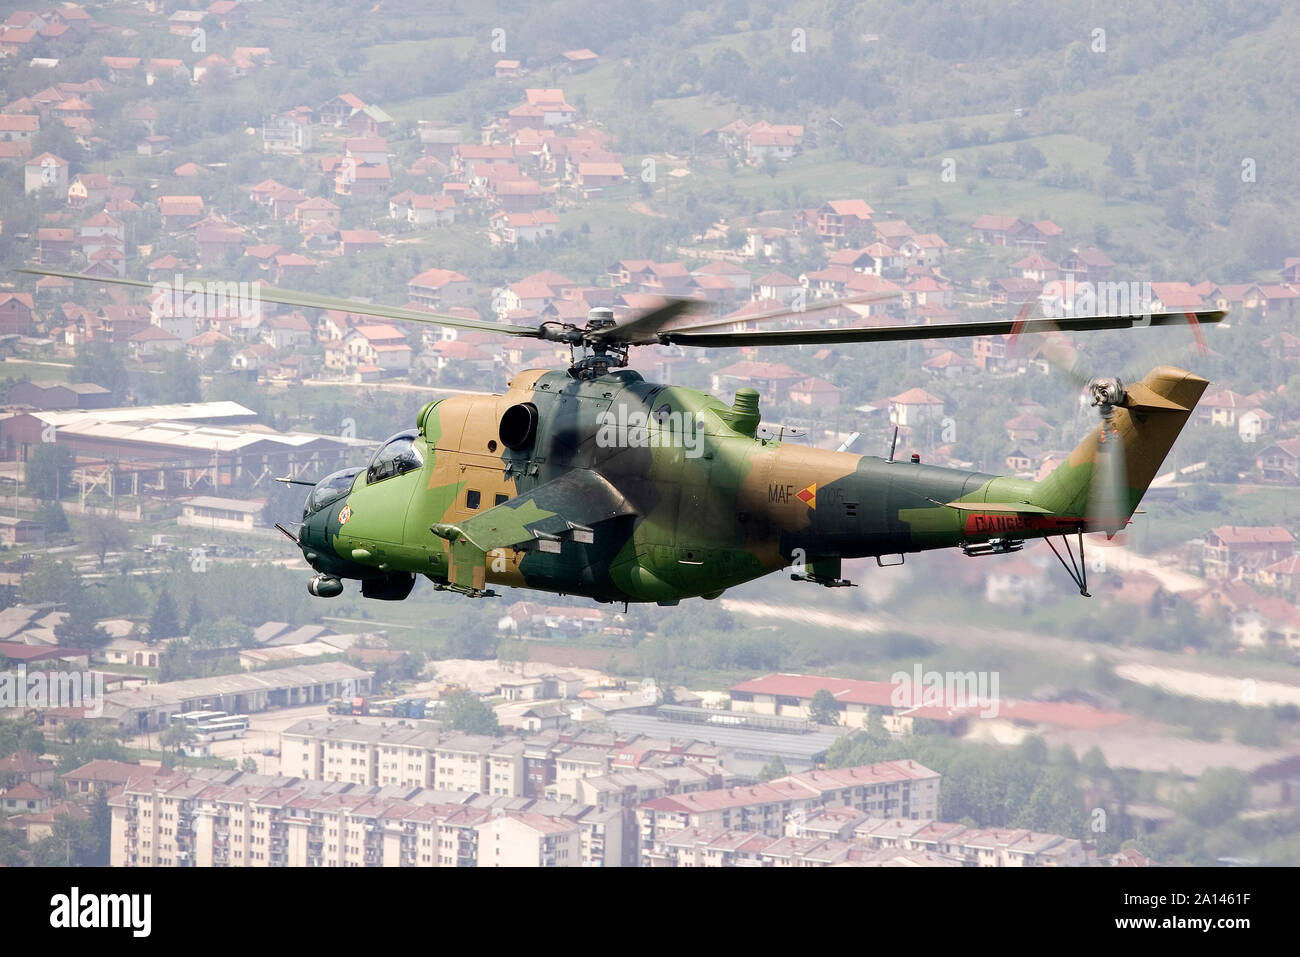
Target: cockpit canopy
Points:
(330, 489)
(397, 456)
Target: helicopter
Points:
(593, 481)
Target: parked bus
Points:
(214, 725)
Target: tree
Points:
(1120, 160)
(52, 516)
(50, 581)
(165, 622)
(193, 615)
(1217, 797)
(223, 633)
(73, 731)
(33, 740)
(98, 362)
(1033, 749)
(104, 534)
(1028, 157)
(512, 653)
(11, 854)
(80, 629)
(218, 360)
(1055, 805)
(47, 471)
(248, 765)
(1066, 758)
(179, 381)
(101, 824)
(100, 744)
(462, 711)
(472, 639)
(824, 709)
(72, 842)
(773, 769)
(177, 736)
(11, 735)
(1261, 236)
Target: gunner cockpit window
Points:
(330, 489)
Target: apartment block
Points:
(823, 841)
(212, 818)
(521, 839)
(892, 789)
(369, 754)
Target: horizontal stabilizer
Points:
(1013, 508)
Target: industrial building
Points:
(750, 741)
(150, 707)
(49, 395)
(175, 450)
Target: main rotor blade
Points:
(1061, 354)
(950, 330)
(783, 313)
(287, 297)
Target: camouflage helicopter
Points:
(592, 481)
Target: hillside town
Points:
(143, 431)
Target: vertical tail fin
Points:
(1154, 411)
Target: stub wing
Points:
(569, 507)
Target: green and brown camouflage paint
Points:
(623, 522)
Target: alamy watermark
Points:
(959, 690)
(76, 909)
(53, 689)
(1066, 298)
(210, 299)
(664, 428)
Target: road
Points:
(1162, 669)
(1234, 690)
(1118, 557)
(804, 614)
(36, 362)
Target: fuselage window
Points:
(397, 457)
(472, 498)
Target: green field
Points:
(387, 56)
(34, 370)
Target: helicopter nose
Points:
(313, 535)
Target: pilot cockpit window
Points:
(397, 457)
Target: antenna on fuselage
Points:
(894, 444)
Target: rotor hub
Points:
(601, 317)
(1107, 393)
